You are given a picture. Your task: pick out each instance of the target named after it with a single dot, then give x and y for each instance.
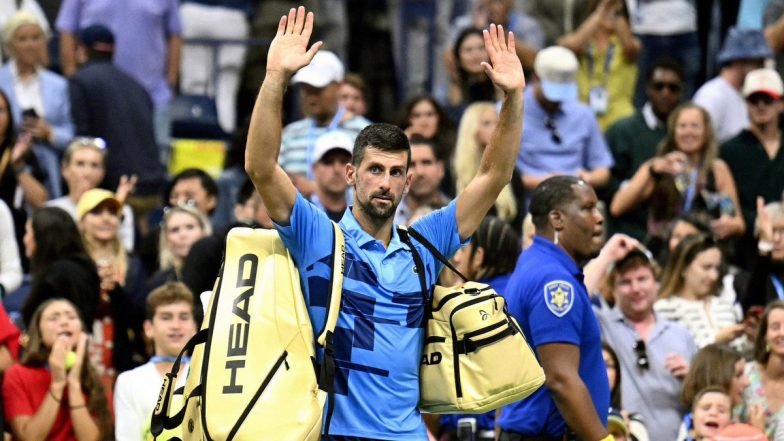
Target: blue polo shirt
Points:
(582, 144)
(547, 296)
(380, 330)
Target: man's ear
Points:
(351, 174)
(556, 219)
(409, 178)
(148, 329)
(441, 169)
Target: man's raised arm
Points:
(498, 159)
(287, 54)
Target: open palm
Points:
(504, 69)
(289, 51)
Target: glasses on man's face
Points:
(642, 356)
(554, 134)
(756, 98)
(661, 85)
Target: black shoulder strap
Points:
(402, 231)
(437, 254)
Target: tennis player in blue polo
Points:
(379, 334)
(547, 296)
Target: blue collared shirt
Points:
(547, 296)
(380, 330)
(582, 145)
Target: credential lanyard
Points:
(312, 135)
(591, 56)
(155, 359)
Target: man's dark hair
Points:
(666, 64)
(551, 194)
(94, 55)
(247, 190)
(421, 140)
(209, 184)
(380, 136)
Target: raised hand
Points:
(289, 51)
(764, 221)
(504, 68)
(126, 187)
(74, 374)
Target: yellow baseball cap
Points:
(93, 198)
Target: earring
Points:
(556, 237)
(767, 348)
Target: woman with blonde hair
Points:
(686, 175)
(116, 345)
(54, 393)
(181, 227)
(473, 135)
(39, 98)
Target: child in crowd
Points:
(52, 394)
(712, 409)
(170, 324)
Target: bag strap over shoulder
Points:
(326, 375)
(336, 284)
(405, 232)
(160, 418)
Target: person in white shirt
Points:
(170, 324)
(744, 50)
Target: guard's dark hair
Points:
(551, 194)
(380, 136)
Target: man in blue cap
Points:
(560, 134)
(744, 50)
(108, 103)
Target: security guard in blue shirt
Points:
(547, 296)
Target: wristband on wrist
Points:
(78, 406)
(608, 438)
(54, 396)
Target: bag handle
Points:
(160, 416)
(326, 374)
(336, 284)
(433, 250)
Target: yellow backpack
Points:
(253, 374)
(475, 357)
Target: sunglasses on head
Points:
(642, 356)
(555, 135)
(661, 85)
(98, 143)
(759, 97)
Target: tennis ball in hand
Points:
(70, 360)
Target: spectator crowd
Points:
(674, 121)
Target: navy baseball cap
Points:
(97, 37)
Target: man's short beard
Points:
(375, 212)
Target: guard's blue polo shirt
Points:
(380, 330)
(547, 296)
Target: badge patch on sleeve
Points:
(559, 297)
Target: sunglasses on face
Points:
(756, 98)
(642, 356)
(661, 85)
(555, 135)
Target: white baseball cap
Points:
(556, 67)
(765, 81)
(325, 68)
(332, 140)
